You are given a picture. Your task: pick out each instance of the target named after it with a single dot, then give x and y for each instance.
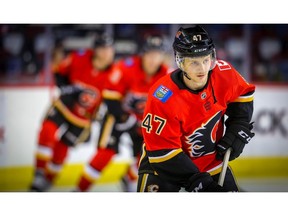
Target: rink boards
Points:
(22, 109)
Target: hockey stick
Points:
(224, 167)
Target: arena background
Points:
(258, 51)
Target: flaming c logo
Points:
(202, 140)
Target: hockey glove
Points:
(126, 125)
(135, 103)
(237, 135)
(203, 182)
(70, 89)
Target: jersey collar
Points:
(177, 78)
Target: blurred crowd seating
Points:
(259, 51)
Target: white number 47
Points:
(147, 123)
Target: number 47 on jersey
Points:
(147, 123)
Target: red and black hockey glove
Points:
(127, 124)
(135, 103)
(203, 182)
(70, 89)
(237, 135)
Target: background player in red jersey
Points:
(184, 120)
(125, 100)
(81, 77)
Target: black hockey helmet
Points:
(103, 40)
(193, 42)
(153, 42)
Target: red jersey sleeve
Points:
(241, 91)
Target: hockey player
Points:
(183, 122)
(125, 101)
(81, 77)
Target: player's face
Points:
(104, 56)
(197, 69)
(151, 61)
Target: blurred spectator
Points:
(283, 61)
(270, 63)
(24, 48)
(12, 44)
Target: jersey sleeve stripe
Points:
(249, 93)
(112, 95)
(70, 116)
(216, 170)
(165, 157)
(248, 98)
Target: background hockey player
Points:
(125, 101)
(184, 120)
(81, 77)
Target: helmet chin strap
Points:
(186, 75)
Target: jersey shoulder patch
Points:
(162, 93)
(128, 62)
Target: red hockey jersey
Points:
(179, 120)
(133, 84)
(77, 68)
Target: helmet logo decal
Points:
(200, 50)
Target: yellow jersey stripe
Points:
(112, 95)
(215, 170)
(242, 99)
(165, 157)
(70, 116)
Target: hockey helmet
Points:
(153, 42)
(103, 40)
(193, 42)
